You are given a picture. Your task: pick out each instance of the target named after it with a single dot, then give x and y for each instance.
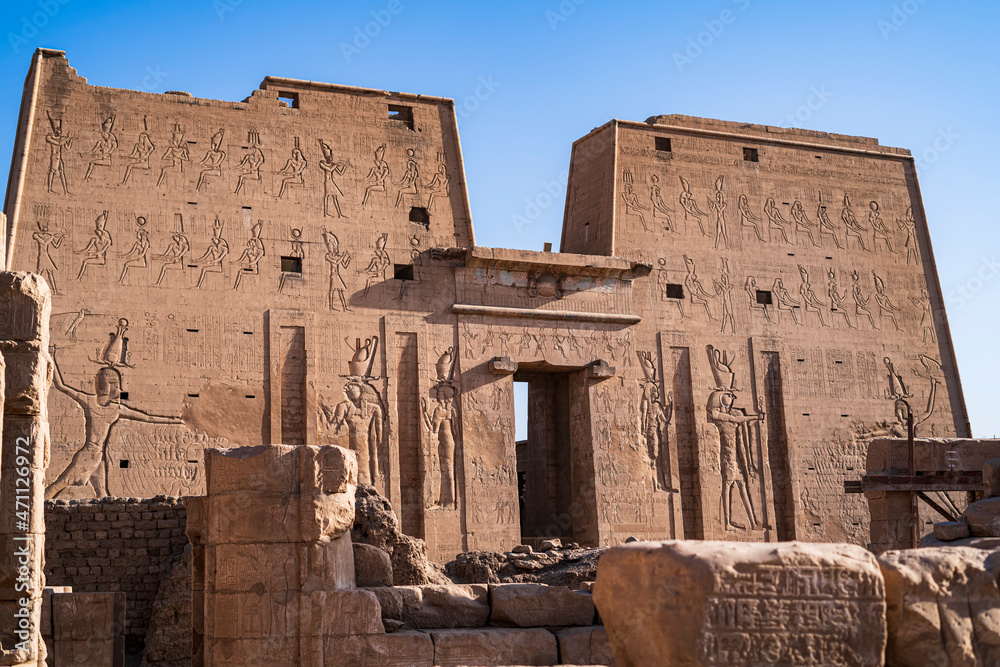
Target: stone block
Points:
(372, 566)
(391, 601)
(329, 470)
(444, 606)
(503, 366)
(263, 468)
(327, 564)
(85, 652)
(585, 646)
(253, 615)
(244, 568)
(537, 605)
(983, 517)
(494, 646)
(87, 616)
(400, 649)
(991, 478)
(726, 603)
(325, 515)
(25, 308)
(258, 651)
(943, 606)
(343, 613)
(951, 530)
(27, 379)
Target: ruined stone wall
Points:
(115, 545)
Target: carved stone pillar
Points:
(25, 305)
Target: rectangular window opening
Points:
(420, 215)
(401, 114)
(250, 396)
(291, 265)
(123, 463)
(192, 331)
(764, 297)
(290, 100)
(751, 155)
(675, 291)
(123, 395)
(192, 395)
(402, 271)
(248, 333)
(662, 144)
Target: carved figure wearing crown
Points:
(85, 476)
(736, 456)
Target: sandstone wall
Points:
(115, 545)
(801, 258)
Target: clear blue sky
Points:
(910, 73)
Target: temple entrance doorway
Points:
(544, 456)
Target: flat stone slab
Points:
(434, 606)
(948, 531)
(538, 605)
(494, 646)
(943, 606)
(400, 649)
(726, 603)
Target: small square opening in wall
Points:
(401, 114)
(122, 463)
(675, 291)
(662, 144)
(291, 265)
(420, 215)
(402, 271)
(291, 100)
(750, 155)
(764, 297)
(123, 395)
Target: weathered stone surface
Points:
(725, 603)
(951, 530)
(943, 606)
(372, 566)
(558, 567)
(391, 601)
(87, 616)
(168, 637)
(494, 646)
(991, 478)
(342, 613)
(548, 545)
(436, 606)
(400, 649)
(376, 524)
(983, 518)
(537, 605)
(585, 646)
(973, 542)
(85, 652)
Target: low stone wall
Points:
(123, 545)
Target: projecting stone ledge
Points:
(503, 366)
(725, 603)
(544, 314)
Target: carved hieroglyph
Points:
(719, 603)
